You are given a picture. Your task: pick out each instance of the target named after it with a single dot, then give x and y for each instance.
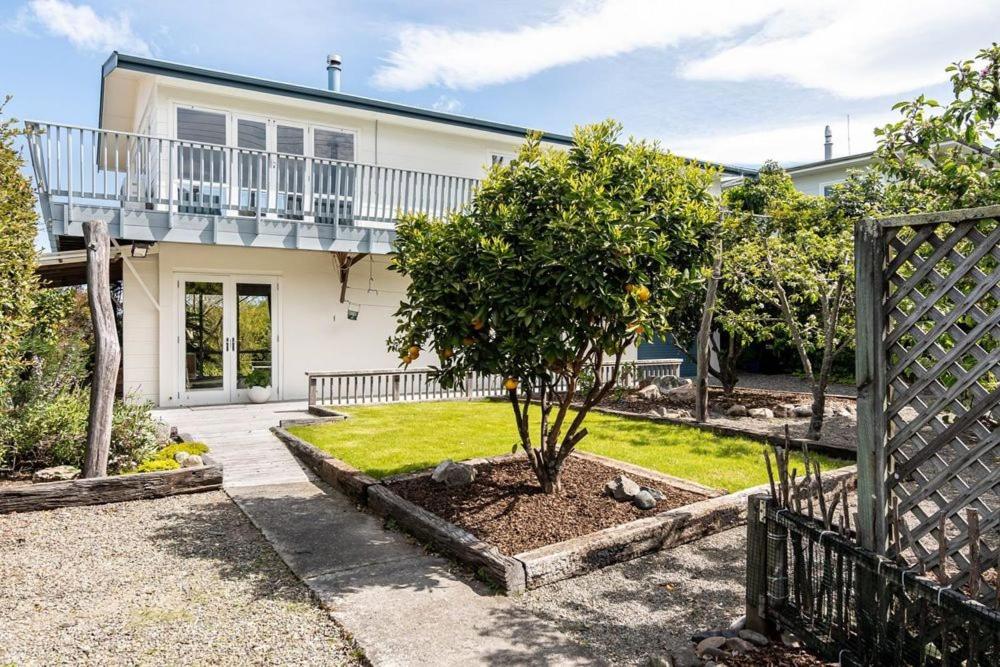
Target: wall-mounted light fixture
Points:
(140, 248)
(352, 311)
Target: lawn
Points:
(385, 440)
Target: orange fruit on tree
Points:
(477, 323)
(447, 353)
(510, 384)
(642, 293)
(630, 288)
(468, 340)
(414, 352)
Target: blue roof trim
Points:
(164, 68)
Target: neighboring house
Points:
(254, 219)
(817, 178)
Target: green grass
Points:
(389, 439)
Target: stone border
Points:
(730, 431)
(114, 489)
(553, 562)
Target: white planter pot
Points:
(259, 394)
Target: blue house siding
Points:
(667, 348)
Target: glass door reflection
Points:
(204, 336)
(254, 335)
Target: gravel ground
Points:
(174, 581)
(651, 605)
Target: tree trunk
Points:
(107, 353)
(704, 333)
(818, 408)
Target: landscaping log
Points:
(107, 351)
(704, 334)
(117, 488)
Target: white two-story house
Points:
(253, 219)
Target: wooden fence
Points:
(396, 386)
(928, 372)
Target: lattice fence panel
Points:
(929, 389)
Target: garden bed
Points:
(566, 551)
(839, 436)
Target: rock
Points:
(684, 414)
(685, 657)
(644, 500)
(844, 412)
(788, 639)
(738, 624)
(718, 653)
(737, 410)
(738, 645)
(784, 410)
(645, 382)
(438, 474)
(622, 488)
(710, 643)
(655, 493)
(180, 457)
(163, 432)
(660, 661)
(649, 392)
(761, 413)
(802, 411)
(458, 474)
(668, 383)
(683, 392)
(56, 474)
(754, 637)
(192, 461)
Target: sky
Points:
(734, 81)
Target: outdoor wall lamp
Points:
(140, 248)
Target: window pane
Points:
(201, 126)
(334, 145)
(251, 134)
(291, 140)
(253, 335)
(203, 311)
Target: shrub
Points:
(193, 448)
(52, 430)
(156, 465)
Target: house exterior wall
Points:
(314, 333)
(813, 180)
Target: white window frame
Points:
(823, 186)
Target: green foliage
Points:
(156, 465)
(52, 430)
(563, 260)
(258, 377)
(946, 156)
(18, 282)
(795, 258)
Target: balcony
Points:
(157, 189)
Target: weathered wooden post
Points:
(395, 387)
(704, 336)
(757, 561)
(107, 354)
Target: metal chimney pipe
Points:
(828, 144)
(333, 72)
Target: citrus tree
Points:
(563, 260)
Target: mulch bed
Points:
(776, 655)
(506, 507)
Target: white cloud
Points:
(853, 48)
(85, 29)
(448, 104)
(581, 31)
(792, 143)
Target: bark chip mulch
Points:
(506, 507)
(776, 655)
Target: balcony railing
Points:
(83, 166)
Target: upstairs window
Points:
(333, 145)
(203, 127)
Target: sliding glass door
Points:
(228, 337)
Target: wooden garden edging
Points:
(554, 562)
(114, 489)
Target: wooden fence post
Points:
(107, 355)
(757, 565)
(312, 391)
(869, 253)
(395, 387)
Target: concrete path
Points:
(401, 604)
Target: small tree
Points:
(18, 282)
(798, 257)
(942, 157)
(563, 260)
